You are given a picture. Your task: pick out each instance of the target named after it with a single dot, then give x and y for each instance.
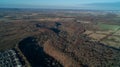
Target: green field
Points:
(114, 39)
(108, 27)
(117, 33)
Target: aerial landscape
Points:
(59, 34)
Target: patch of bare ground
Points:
(97, 36)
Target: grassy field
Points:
(97, 36)
(107, 34)
(114, 39)
(108, 27)
(117, 33)
(111, 43)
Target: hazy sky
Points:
(62, 4)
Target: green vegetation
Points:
(117, 33)
(113, 41)
(108, 27)
(61, 37)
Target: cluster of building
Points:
(9, 58)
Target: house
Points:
(9, 58)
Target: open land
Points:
(62, 38)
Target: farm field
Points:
(104, 32)
(107, 34)
(112, 43)
(113, 40)
(97, 36)
(117, 33)
(87, 32)
(107, 27)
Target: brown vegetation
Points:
(58, 37)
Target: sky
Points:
(62, 4)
